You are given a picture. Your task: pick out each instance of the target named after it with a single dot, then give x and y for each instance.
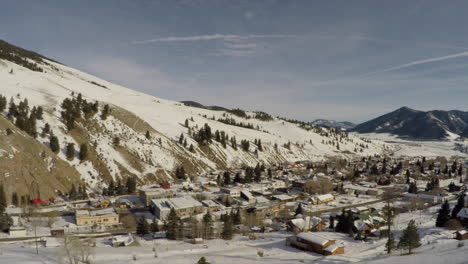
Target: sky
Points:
(340, 60)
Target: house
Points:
(106, 216)
(284, 198)
(321, 199)
(212, 205)
(57, 232)
(17, 231)
(313, 242)
(426, 198)
(122, 240)
(248, 196)
(184, 207)
(461, 234)
(232, 192)
(155, 192)
(305, 224)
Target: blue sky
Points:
(344, 60)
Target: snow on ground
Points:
(167, 118)
(419, 148)
(438, 246)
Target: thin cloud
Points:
(418, 62)
(210, 37)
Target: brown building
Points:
(97, 217)
(312, 242)
(150, 193)
(461, 234)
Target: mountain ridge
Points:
(411, 123)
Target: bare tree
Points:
(76, 251)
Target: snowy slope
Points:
(165, 119)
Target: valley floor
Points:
(438, 246)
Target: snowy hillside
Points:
(133, 114)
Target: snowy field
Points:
(420, 148)
(438, 246)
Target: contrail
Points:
(418, 62)
(210, 37)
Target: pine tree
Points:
(227, 178)
(228, 229)
(299, 210)
(147, 135)
(172, 224)
(105, 112)
(154, 227)
(191, 149)
(14, 199)
(83, 152)
(70, 151)
(131, 184)
(142, 226)
(207, 226)
(460, 204)
(237, 218)
(202, 260)
(111, 188)
(54, 144)
(73, 194)
(3, 201)
(410, 237)
(444, 215)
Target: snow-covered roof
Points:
(314, 238)
(176, 203)
(324, 197)
(283, 197)
(332, 248)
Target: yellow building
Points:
(106, 216)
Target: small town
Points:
(319, 207)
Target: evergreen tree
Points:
(202, 260)
(228, 229)
(172, 224)
(116, 141)
(191, 149)
(83, 152)
(444, 215)
(105, 112)
(3, 201)
(142, 226)
(111, 188)
(460, 204)
(410, 237)
(299, 210)
(70, 151)
(237, 217)
(207, 226)
(14, 199)
(73, 195)
(154, 227)
(148, 135)
(120, 187)
(131, 184)
(227, 178)
(54, 144)
(332, 222)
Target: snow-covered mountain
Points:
(344, 125)
(407, 122)
(141, 136)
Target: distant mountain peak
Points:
(408, 122)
